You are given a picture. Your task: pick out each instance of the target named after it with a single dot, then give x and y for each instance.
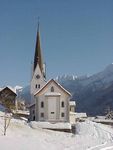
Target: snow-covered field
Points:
(22, 136)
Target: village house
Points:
(7, 97)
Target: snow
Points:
(24, 112)
(72, 103)
(15, 89)
(12, 89)
(22, 136)
(18, 89)
(80, 115)
(48, 125)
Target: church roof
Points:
(52, 80)
(38, 53)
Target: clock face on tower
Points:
(37, 76)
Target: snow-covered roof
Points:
(32, 104)
(12, 89)
(52, 93)
(9, 87)
(80, 115)
(72, 103)
(72, 113)
(21, 112)
(48, 125)
(52, 80)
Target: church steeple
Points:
(38, 75)
(38, 53)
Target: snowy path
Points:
(105, 146)
(97, 147)
(89, 136)
(108, 148)
(108, 145)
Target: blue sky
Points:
(76, 37)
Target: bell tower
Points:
(38, 73)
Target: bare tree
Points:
(9, 107)
(7, 118)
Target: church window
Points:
(42, 104)
(33, 111)
(70, 108)
(62, 114)
(39, 86)
(33, 118)
(37, 76)
(36, 86)
(52, 89)
(62, 104)
(42, 115)
(52, 112)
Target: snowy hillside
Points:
(23, 136)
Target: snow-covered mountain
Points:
(93, 94)
(100, 79)
(25, 94)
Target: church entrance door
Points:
(52, 108)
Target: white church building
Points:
(50, 102)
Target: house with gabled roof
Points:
(7, 96)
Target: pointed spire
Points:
(38, 54)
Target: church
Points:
(50, 102)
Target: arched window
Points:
(62, 104)
(36, 86)
(42, 104)
(52, 89)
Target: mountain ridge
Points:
(92, 91)
(93, 94)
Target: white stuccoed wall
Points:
(59, 98)
(35, 81)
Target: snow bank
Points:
(93, 129)
(92, 134)
(24, 136)
(48, 125)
